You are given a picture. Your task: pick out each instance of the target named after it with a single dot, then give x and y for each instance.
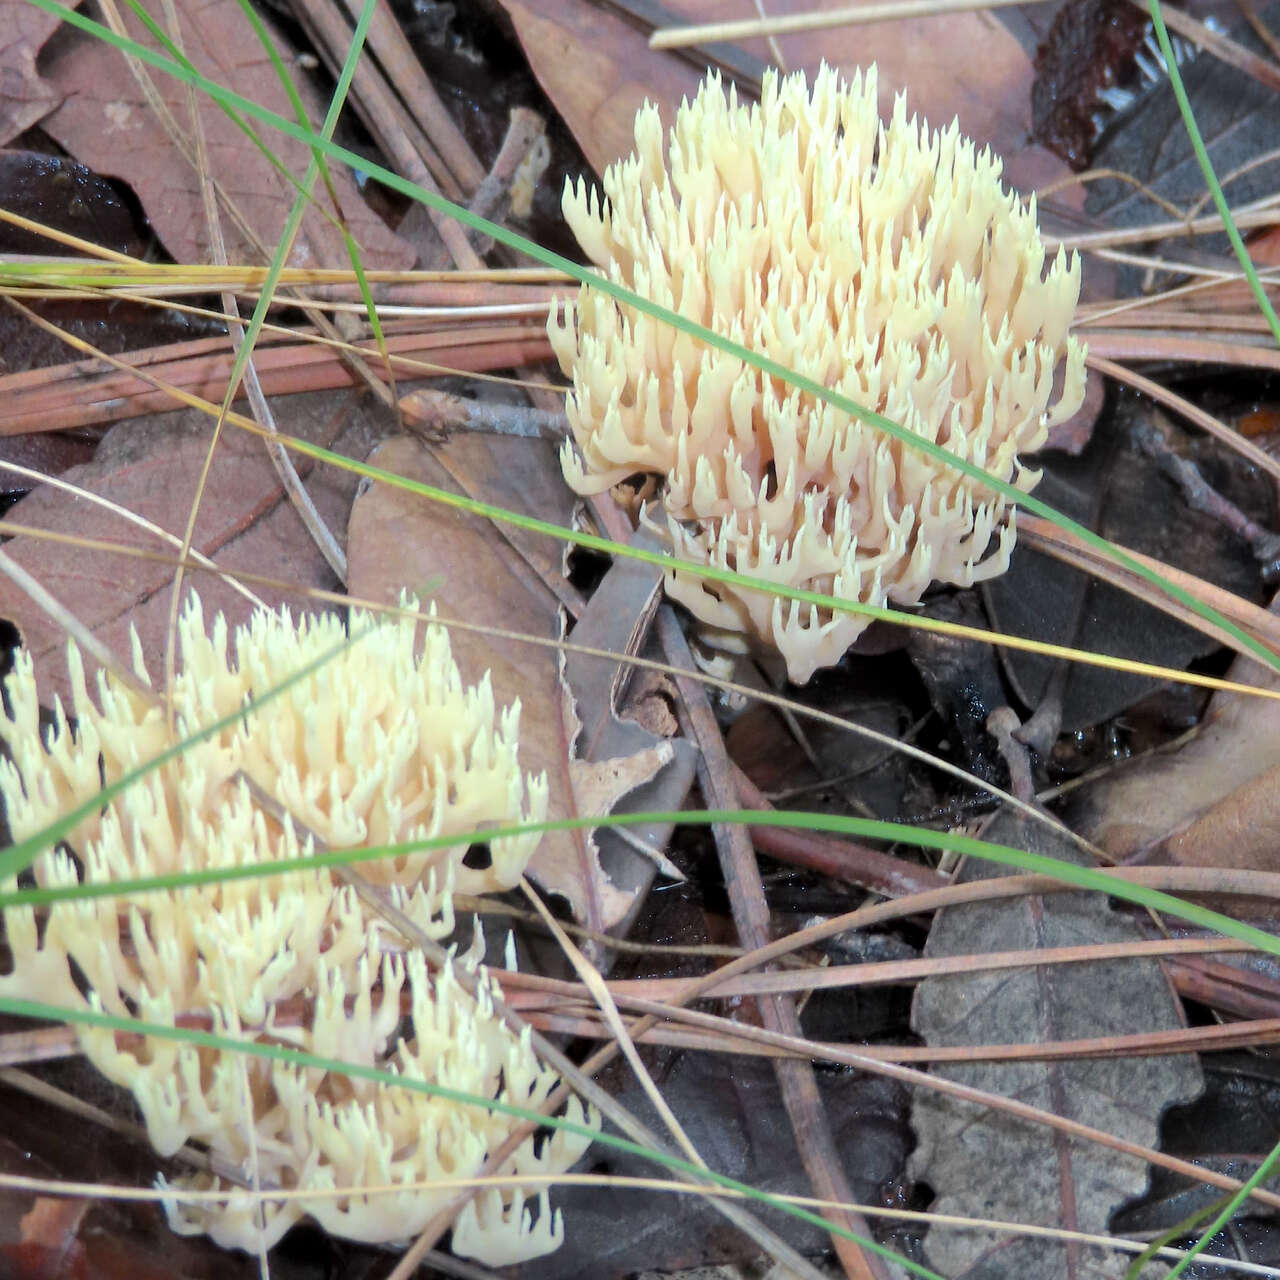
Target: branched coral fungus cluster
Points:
(883, 261)
(379, 744)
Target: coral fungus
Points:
(884, 261)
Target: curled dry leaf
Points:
(1211, 802)
(474, 573)
(628, 715)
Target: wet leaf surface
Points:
(964, 683)
(64, 196)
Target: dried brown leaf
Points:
(106, 122)
(25, 96)
(597, 68)
(1210, 802)
(964, 1150)
(151, 467)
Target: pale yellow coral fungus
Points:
(884, 261)
(382, 743)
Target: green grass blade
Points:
(1085, 878)
(1210, 177)
(647, 307)
(370, 307)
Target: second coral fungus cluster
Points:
(381, 743)
(882, 260)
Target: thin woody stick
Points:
(792, 24)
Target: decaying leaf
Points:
(1237, 118)
(151, 467)
(986, 1164)
(619, 609)
(107, 122)
(476, 574)
(1089, 48)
